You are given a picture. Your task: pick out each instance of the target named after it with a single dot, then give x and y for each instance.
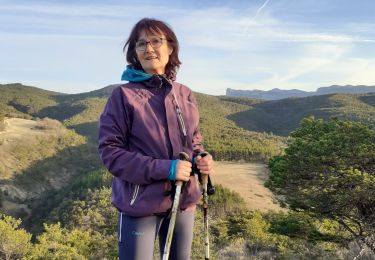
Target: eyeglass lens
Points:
(154, 42)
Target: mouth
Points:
(151, 58)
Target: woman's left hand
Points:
(205, 164)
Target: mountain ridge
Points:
(276, 93)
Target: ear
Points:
(170, 50)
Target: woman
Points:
(145, 125)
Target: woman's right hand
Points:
(183, 170)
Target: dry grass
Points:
(248, 180)
(20, 135)
(28, 163)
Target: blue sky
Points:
(76, 46)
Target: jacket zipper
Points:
(135, 194)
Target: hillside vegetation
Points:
(38, 156)
(276, 94)
(84, 227)
(17, 100)
(225, 140)
(283, 116)
(27, 141)
(328, 171)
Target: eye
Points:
(155, 41)
(140, 44)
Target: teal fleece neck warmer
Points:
(133, 75)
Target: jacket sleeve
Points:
(114, 127)
(197, 137)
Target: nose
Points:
(149, 48)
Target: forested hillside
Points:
(276, 94)
(281, 117)
(17, 100)
(227, 141)
(38, 157)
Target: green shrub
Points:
(14, 241)
(225, 202)
(293, 224)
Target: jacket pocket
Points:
(191, 194)
(146, 200)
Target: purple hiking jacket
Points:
(139, 135)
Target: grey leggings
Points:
(136, 236)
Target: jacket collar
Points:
(152, 81)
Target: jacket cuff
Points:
(172, 170)
(161, 169)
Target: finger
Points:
(186, 163)
(182, 176)
(204, 165)
(206, 159)
(186, 169)
(206, 170)
(185, 177)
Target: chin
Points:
(154, 71)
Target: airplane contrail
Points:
(255, 16)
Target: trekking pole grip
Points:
(183, 157)
(204, 176)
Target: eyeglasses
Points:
(155, 43)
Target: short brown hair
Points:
(153, 26)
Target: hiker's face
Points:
(153, 52)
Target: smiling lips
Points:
(151, 58)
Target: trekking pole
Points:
(205, 212)
(176, 202)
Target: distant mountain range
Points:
(276, 94)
